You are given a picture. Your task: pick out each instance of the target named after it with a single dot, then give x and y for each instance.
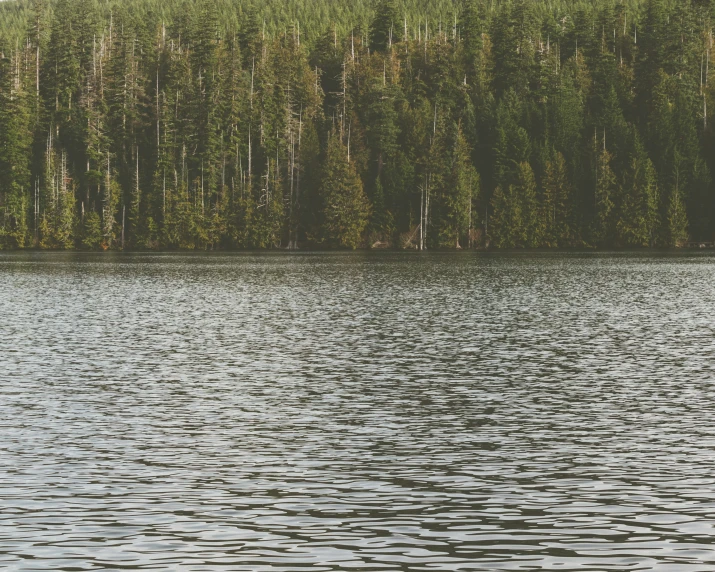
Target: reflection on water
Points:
(357, 411)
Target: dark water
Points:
(357, 412)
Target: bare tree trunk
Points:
(157, 111)
(108, 206)
(422, 216)
(253, 69)
(469, 228)
(297, 182)
(249, 157)
(37, 207)
(291, 202)
(427, 203)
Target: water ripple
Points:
(357, 412)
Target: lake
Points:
(357, 411)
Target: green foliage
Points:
(533, 230)
(344, 205)
(506, 218)
(676, 221)
(638, 220)
(606, 189)
(92, 231)
(458, 194)
(15, 156)
(558, 205)
(235, 124)
(386, 27)
(515, 220)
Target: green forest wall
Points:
(335, 124)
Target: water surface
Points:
(391, 411)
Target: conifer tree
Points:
(638, 218)
(458, 195)
(15, 158)
(676, 227)
(533, 230)
(205, 125)
(558, 204)
(471, 28)
(386, 28)
(506, 223)
(606, 188)
(345, 207)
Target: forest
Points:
(233, 124)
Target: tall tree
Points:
(606, 188)
(345, 206)
(559, 224)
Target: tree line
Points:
(203, 124)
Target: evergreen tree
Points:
(606, 188)
(386, 28)
(533, 230)
(558, 204)
(514, 37)
(458, 195)
(515, 220)
(91, 235)
(345, 206)
(471, 27)
(638, 217)
(206, 124)
(16, 189)
(676, 220)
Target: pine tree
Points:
(676, 233)
(606, 187)
(383, 132)
(204, 124)
(458, 195)
(15, 157)
(558, 204)
(471, 28)
(57, 228)
(506, 222)
(512, 142)
(91, 233)
(651, 56)
(532, 234)
(638, 217)
(386, 28)
(345, 206)
(514, 39)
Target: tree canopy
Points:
(205, 124)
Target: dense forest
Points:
(203, 124)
